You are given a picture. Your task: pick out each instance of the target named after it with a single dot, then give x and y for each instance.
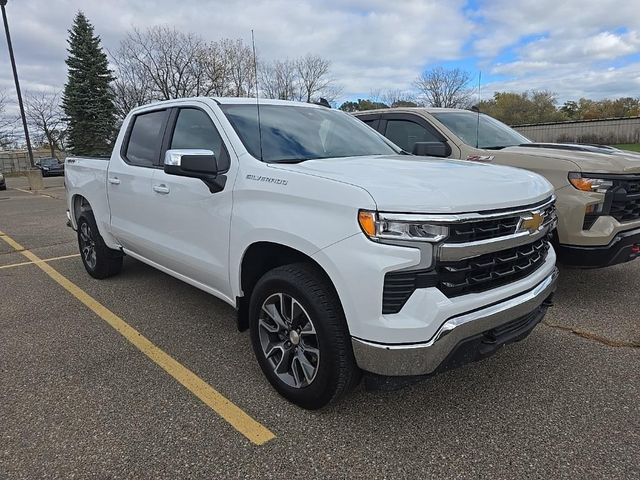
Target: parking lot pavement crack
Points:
(593, 337)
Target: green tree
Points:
(571, 110)
(87, 99)
(361, 105)
(537, 106)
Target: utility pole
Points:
(15, 78)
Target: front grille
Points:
(491, 270)
(625, 204)
(462, 277)
(484, 229)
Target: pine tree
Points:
(87, 99)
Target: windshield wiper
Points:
(497, 147)
(289, 160)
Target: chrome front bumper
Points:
(424, 358)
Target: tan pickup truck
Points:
(597, 187)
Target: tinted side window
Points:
(145, 139)
(372, 123)
(194, 129)
(405, 133)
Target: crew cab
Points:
(340, 253)
(597, 187)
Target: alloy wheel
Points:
(88, 246)
(288, 339)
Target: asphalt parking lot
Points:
(78, 399)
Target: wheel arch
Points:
(262, 256)
(79, 205)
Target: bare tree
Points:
(46, 118)
(314, 76)
(279, 79)
(215, 68)
(394, 98)
(162, 63)
(164, 59)
(239, 57)
(7, 123)
(304, 79)
(133, 85)
(442, 87)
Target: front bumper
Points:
(462, 338)
(623, 248)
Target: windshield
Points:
(292, 133)
(487, 133)
(48, 162)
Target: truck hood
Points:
(587, 158)
(411, 184)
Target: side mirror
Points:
(193, 163)
(190, 163)
(431, 149)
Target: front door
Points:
(192, 224)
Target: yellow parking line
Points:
(40, 261)
(234, 415)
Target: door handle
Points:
(114, 180)
(161, 189)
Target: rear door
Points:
(131, 198)
(192, 224)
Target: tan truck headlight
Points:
(400, 227)
(589, 184)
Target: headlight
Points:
(399, 227)
(589, 184)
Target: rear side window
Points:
(194, 129)
(145, 139)
(372, 123)
(405, 134)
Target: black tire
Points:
(336, 371)
(99, 260)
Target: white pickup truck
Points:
(340, 254)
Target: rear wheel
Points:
(99, 260)
(300, 337)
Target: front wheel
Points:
(300, 338)
(99, 260)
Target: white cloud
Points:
(573, 47)
(372, 44)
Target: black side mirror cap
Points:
(431, 149)
(200, 164)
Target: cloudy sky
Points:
(572, 47)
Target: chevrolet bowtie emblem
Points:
(532, 223)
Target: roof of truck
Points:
(228, 101)
(252, 101)
(409, 109)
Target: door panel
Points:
(191, 224)
(129, 187)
